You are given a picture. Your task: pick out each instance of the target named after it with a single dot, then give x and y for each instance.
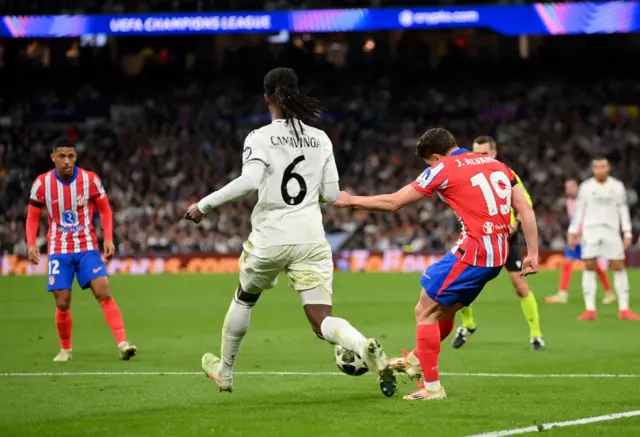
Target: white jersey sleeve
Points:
(254, 150)
(254, 166)
(330, 188)
(623, 210)
(298, 163)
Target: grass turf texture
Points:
(174, 319)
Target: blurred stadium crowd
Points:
(173, 137)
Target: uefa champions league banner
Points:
(533, 19)
(392, 261)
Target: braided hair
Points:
(281, 86)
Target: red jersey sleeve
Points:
(98, 195)
(431, 180)
(36, 197)
(96, 189)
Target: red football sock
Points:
(446, 326)
(63, 323)
(565, 277)
(427, 350)
(603, 278)
(114, 319)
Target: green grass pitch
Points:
(174, 319)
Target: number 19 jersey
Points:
(478, 188)
(288, 208)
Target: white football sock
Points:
(621, 284)
(589, 286)
(235, 327)
(338, 331)
(432, 386)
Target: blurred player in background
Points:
(575, 254)
(486, 146)
(601, 212)
(480, 190)
(70, 195)
(293, 168)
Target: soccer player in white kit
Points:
(601, 212)
(293, 168)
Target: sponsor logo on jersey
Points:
(69, 218)
(295, 142)
(488, 228)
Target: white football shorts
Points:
(309, 268)
(602, 242)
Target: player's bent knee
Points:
(316, 313)
(63, 299)
(428, 310)
(520, 285)
(100, 288)
(616, 265)
(590, 264)
(244, 296)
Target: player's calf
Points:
(63, 324)
(113, 317)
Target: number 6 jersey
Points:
(297, 165)
(478, 188)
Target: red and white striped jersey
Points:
(571, 208)
(70, 209)
(478, 188)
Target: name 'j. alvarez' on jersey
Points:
(478, 189)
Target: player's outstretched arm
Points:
(529, 227)
(382, 202)
(239, 188)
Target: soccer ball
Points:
(349, 362)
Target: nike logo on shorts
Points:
(97, 269)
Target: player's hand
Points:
(194, 214)
(529, 265)
(344, 200)
(109, 250)
(33, 253)
(627, 241)
(572, 240)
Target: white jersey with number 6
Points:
(288, 208)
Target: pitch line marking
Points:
(552, 425)
(476, 375)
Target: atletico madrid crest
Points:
(52, 280)
(80, 200)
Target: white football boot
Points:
(211, 368)
(63, 356)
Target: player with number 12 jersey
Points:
(70, 194)
(480, 190)
(291, 165)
